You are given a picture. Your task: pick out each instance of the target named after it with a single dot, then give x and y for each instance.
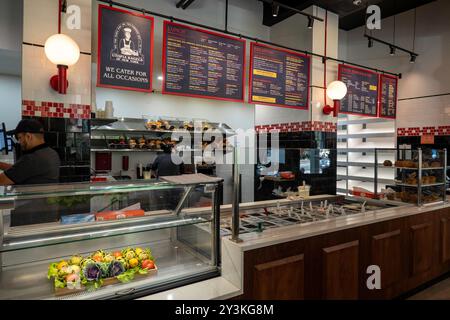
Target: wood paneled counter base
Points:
(409, 252)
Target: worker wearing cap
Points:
(39, 164)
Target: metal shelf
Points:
(360, 164)
(366, 150)
(430, 168)
(416, 186)
(126, 150)
(365, 179)
(362, 121)
(366, 135)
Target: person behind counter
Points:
(39, 164)
(164, 165)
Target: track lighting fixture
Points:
(370, 45)
(413, 58)
(275, 9)
(310, 23)
(392, 51)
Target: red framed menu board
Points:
(203, 64)
(278, 77)
(362, 91)
(388, 97)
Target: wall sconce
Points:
(336, 91)
(64, 52)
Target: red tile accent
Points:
(59, 110)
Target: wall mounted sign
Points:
(362, 91)
(427, 139)
(279, 77)
(125, 42)
(204, 64)
(388, 97)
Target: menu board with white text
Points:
(388, 96)
(200, 63)
(279, 77)
(362, 91)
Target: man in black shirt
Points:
(39, 164)
(164, 164)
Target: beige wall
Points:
(39, 24)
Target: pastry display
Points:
(132, 143)
(435, 164)
(142, 143)
(101, 267)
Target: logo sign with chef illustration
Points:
(125, 44)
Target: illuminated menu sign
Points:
(388, 96)
(279, 77)
(203, 64)
(362, 91)
(125, 44)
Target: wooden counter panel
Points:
(281, 279)
(340, 271)
(386, 253)
(421, 240)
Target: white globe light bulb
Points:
(336, 90)
(62, 50)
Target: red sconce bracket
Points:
(59, 82)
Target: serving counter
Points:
(331, 258)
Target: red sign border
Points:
(381, 92)
(367, 71)
(164, 58)
(250, 100)
(99, 47)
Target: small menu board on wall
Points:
(279, 77)
(362, 91)
(125, 42)
(200, 63)
(388, 97)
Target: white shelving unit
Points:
(358, 137)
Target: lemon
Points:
(133, 262)
(138, 251)
(61, 265)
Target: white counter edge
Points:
(212, 289)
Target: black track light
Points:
(370, 43)
(275, 9)
(413, 58)
(392, 51)
(310, 22)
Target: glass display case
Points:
(421, 175)
(107, 240)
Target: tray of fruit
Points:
(101, 268)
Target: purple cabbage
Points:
(116, 268)
(92, 272)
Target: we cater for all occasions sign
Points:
(125, 45)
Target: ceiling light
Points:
(413, 58)
(160, 78)
(392, 51)
(310, 22)
(370, 43)
(275, 9)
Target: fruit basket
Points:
(100, 269)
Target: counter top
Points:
(274, 236)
